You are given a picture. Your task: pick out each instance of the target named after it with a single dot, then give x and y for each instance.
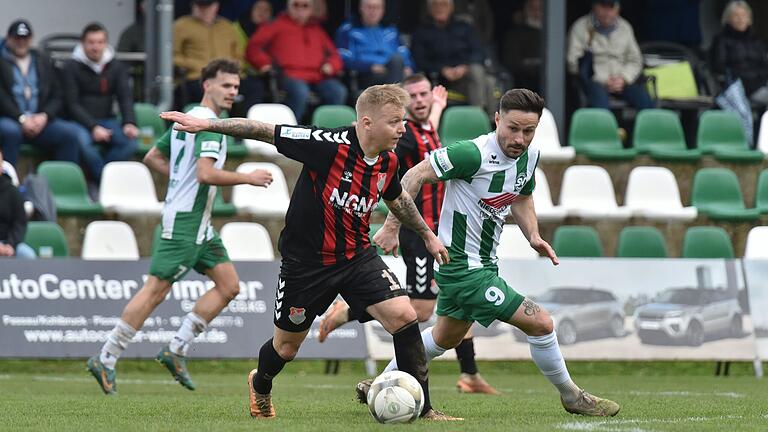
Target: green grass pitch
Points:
(659, 396)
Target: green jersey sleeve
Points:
(531, 184)
(164, 143)
(208, 144)
(460, 160)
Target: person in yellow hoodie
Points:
(199, 38)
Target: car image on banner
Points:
(689, 316)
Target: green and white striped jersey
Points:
(188, 204)
(481, 183)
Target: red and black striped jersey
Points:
(328, 216)
(418, 141)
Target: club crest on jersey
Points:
(382, 180)
(297, 315)
(520, 181)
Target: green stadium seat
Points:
(333, 116)
(721, 134)
(717, 194)
(641, 242)
(658, 132)
(47, 238)
(70, 193)
(463, 123)
(761, 194)
(150, 125)
(577, 241)
(707, 242)
(595, 134)
(222, 208)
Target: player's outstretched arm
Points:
(208, 174)
(405, 210)
(156, 161)
(523, 211)
(236, 127)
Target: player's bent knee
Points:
(423, 315)
(229, 290)
(287, 351)
(543, 325)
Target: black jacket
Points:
(13, 219)
(90, 96)
(49, 98)
(435, 47)
(743, 55)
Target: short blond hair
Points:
(375, 97)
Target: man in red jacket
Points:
(304, 54)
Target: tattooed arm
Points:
(405, 210)
(235, 127)
(412, 182)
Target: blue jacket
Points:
(361, 47)
(436, 47)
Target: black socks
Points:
(270, 364)
(411, 358)
(465, 353)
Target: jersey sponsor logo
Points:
(297, 315)
(295, 133)
(351, 202)
(381, 181)
(210, 146)
(500, 201)
(441, 157)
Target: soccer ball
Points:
(395, 397)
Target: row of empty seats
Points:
(115, 240)
(652, 193)
(127, 189)
(659, 133)
(634, 242)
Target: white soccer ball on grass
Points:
(395, 397)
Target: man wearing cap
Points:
(616, 58)
(199, 38)
(30, 100)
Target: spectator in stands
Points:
(199, 38)
(30, 100)
(132, 38)
(13, 219)
(448, 49)
(607, 41)
(252, 85)
(738, 52)
(372, 49)
(94, 80)
(521, 47)
(479, 15)
(296, 48)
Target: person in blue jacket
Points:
(372, 49)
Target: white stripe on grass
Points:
(627, 425)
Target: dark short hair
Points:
(414, 78)
(92, 28)
(521, 99)
(219, 65)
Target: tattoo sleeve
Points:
(244, 128)
(406, 212)
(412, 182)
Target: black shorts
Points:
(304, 292)
(420, 275)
